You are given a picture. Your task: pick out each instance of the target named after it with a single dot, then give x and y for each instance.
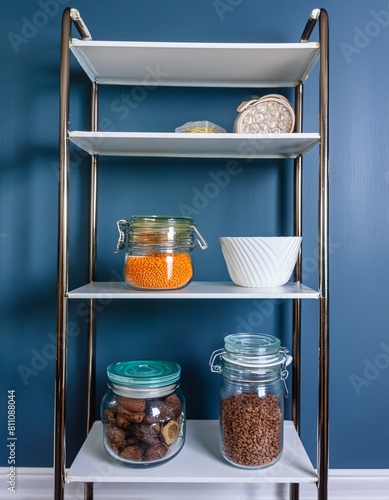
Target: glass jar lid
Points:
(144, 374)
(253, 349)
(255, 344)
(160, 232)
(155, 222)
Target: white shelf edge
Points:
(139, 44)
(171, 144)
(199, 462)
(196, 64)
(195, 290)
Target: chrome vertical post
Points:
(296, 342)
(92, 264)
(323, 244)
(62, 284)
(88, 491)
(68, 16)
(298, 183)
(323, 436)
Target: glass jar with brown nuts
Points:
(253, 366)
(143, 412)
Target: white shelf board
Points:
(199, 461)
(202, 145)
(195, 290)
(196, 64)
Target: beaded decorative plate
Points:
(271, 114)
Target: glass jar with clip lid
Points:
(253, 369)
(157, 250)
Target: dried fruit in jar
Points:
(131, 452)
(133, 417)
(146, 434)
(132, 404)
(170, 431)
(155, 452)
(146, 430)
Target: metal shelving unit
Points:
(202, 65)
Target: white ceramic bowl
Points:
(260, 261)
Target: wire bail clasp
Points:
(283, 371)
(121, 243)
(201, 240)
(216, 368)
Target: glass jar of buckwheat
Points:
(157, 250)
(253, 367)
(143, 412)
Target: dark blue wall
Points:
(257, 201)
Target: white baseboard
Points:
(344, 484)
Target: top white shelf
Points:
(196, 64)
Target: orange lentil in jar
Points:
(158, 270)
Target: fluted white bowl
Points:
(260, 261)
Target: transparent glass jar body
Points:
(143, 427)
(157, 270)
(251, 400)
(251, 421)
(157, 251)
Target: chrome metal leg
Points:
(68, 16)
(296, 348)
(62, 285)
(88, 490)
(323, 272)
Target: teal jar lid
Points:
(144, 374)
